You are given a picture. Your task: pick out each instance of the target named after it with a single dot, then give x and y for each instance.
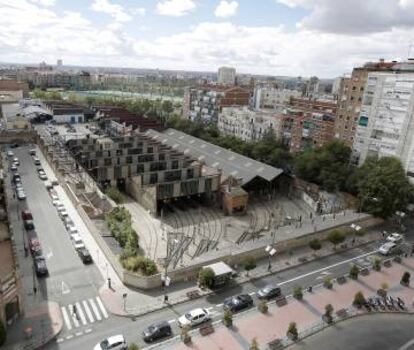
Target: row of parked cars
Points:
(14, 167)
(391, 244)
(73, 232)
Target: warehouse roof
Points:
(231, 163)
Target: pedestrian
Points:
(25, 251)
(109, 283)
(34, 289)
(14, 195)
(353, 241)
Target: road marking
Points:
(88, 312)
(95, 310)
(252, 293)
(219, 305)
(172, 321)
(102, 307)
(88, 330)
(66, 318)
(81, 314)
(74, 319)
(69, 336)
(209, 308)
(59, 340)
(78, 334)
(65, 288)
(326, 268)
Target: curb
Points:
(251, 279)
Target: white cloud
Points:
(44, 2)
(140, 11)
(226, 9)
(354, 16)
(176, 8)
(114, 10)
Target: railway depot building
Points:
(151, 172)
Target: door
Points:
(72, 119)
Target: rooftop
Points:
(231, 163)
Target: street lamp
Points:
(165, 280)
(401, 216)
(356, 228)
(270, 252)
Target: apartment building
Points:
(386, 120)
(147, 169)
(271, 97)
(312, 105)
(226, 76)
(203, 103)
(246, 124)
(12, 90)
(350, 96)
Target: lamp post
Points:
(400, 215)
(270, 252)
(356, 228)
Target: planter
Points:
(186, 339)
(292, 336)
(228, 323)
(328, 285)
(382, 292)
(327, 319)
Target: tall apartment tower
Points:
(350, 99)
(59, 63)
(227, 76)
(386, 122)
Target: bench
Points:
(341, 280)
(206, 329)
(342, 313)
(192, 294)
(281, 301)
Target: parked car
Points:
(48, 185)
(77, 241)
(35, 246)
(32, 152)
(57, 203)
(387, 248)
(16, 161)
(63, 213)
(396, 238)
(40, 170)
(268, 292)
(13, 167)
(36, 161)
(85, 256)
(194, 317)
(72, 230)
(116, 342)
(26, 214)
(42, 176)
(157, 331)
(55, 183)
(53, 196)
(21, 194)
(67, 221)
(16, 178)
(29, 225)
(238, 302)
(10, 154)
(40, 266)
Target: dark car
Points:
(238, 302)
(85, 255)
(16, 178)
(27, 215)
(29, 225)
(40, 266)
(157, 331)
(269, 292)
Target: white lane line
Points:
(81, 314)
(253, 293)
(59, 340)
(66, 318)
(78, 334)
(74, 319)
(88, 330)
(209, 308)
(88, 312)
(102, 307)
(69, 336)
(219, 305)
(95, 310)
(172, 321)
(326, 268)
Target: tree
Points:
(3, 333)
(298, 292)
(354, 272)
(359, 299)
(315, 244)
(133, 346)
(114, 194)
(254, 344)
(336, 237)
(405, 279)
(262, 306)
(383, 187)
(206, 277)
(292, 331)
(249, 263)
(328, 313)
(376, 264)
(228, 318)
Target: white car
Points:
(395, 238)
(387, 248)
(42, 176)
(116, 342)
(10, 154)
(73, 230)
(77, 241)
(16, 161)
(57, 203)
(21, 195)
(194, 317)
(63, 213)
(55, 197)
(67, 221)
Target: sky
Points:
(325, 38)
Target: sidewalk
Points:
(306, 313)
(41, 316)
(142, 302)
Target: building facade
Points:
(246, 124)
(270, 97)
(312, 105)
(386, 120)
(226, 76)
(147, 169)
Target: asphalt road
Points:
(382, 332)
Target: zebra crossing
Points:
(84, 312)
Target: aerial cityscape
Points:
(206, 174)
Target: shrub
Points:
(249, 263)
(262, 306)
(114, 194)
(327, 282)
(3, 334)
(298, 292)
(292, 331)
(228, 318)
(139, 263)
(376, 264)
(384, 285)
(405, 279)
(359, 299)
(354, 272)
(206, 277)
(315, 244)
(328, 313)
(254, 345)
(361, 232)
(336, 237)
(133, 346)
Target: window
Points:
(174, 164)
(150, 150)
(129, 160)
(190, 173)
(153, 178)
(140, 168)
(107, 161)
(363, 121)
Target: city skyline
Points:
(277, 37)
